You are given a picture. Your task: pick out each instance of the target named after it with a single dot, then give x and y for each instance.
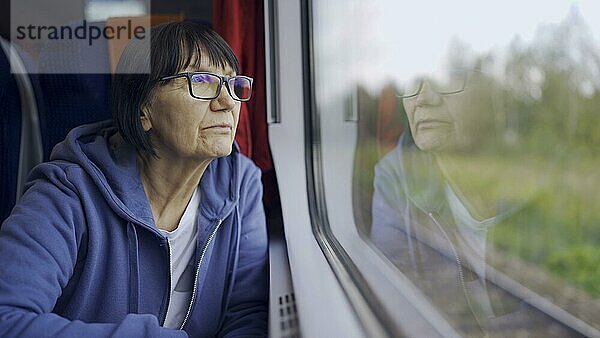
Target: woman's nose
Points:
(223, 102)
(428, 96)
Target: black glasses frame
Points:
(224, 80)
(465, 73)
(421, 82)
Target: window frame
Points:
(325, 277)
(355, 260)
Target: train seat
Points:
(19, 127)
(10, 106)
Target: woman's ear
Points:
(145, 119)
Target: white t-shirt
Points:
(182, 243)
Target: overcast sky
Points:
(418, 32)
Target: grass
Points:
(557, 223)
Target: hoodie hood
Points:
(114, 170)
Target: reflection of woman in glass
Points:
(436, 197)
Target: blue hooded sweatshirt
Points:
(81, 256)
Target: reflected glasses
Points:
(207, 86)
(453, 84)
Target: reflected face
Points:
(186, 127)
(447, 122)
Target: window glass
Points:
(99, 10)
(461, 139)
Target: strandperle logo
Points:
(81, 31)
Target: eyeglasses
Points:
(452, 84)
(207, 86)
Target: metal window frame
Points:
(333, 296)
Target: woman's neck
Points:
(169, 184)
(474, 188)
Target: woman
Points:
(151, 225)
(441, 194)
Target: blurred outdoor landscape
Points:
(546, 152)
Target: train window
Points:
(97, 10)
(458, 143)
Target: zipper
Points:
(204, 249)
(169, 288)
(461, 275)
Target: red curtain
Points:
(389, 123)
(241, 24)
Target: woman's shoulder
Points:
(55, 170)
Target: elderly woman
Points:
(443, 192)
(151, 225)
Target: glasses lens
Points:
(241, 87)
(205, 86)
(412, 87)
(448, 84)
(452, 83)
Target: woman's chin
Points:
(433, 144)
(221, 148)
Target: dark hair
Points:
(174, 46)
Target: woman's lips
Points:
(432, 123)
(219, 128)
